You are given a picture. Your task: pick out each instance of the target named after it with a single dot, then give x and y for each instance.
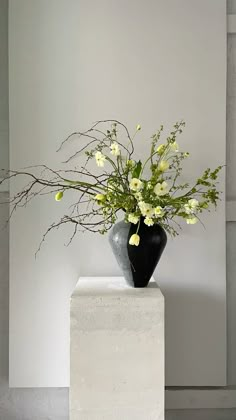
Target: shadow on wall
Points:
(191, 305)
(21, 404)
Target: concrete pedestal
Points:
(117, 351)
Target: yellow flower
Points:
(100, 159)
(146, 209)
(148, 221)
(135, 184)
(174, 146)
(159, 211)
(161, 148)
(133, 219)
(138, 128)
(115, 151)
(134, 239)
(191, 220)
(163, 166)
(59, 195)
(161, 188)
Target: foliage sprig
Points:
(120, 183)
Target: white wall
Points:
(70, 66)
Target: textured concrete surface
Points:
(117, 351)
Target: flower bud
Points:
(59, 195)
(134, 239)
(161, 148)
(100, 197)
(163, 166)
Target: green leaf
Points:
(137, 169)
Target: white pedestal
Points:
(117, 351)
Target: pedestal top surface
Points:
(113, 286)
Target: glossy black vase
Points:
(137, 262)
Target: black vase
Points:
(137, 262)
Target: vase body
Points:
(137, 262)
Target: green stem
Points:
(84, 184)
(150, 158)
(138, 226)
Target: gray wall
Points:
(16, 404)
(21, 404)
(231, 195)
(52, 404)
(4, 138)
(48, 99)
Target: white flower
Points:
(133, 219)
(138, 196)
(187, 209)
(135, 184)
(159, 211)
(146, 209)
(115, 151)
(193, 203)
(100, 159)
(163, 165)
(191, 220)
(134, 239)
(161, 148)
(174, 147)
(192, 206)
(148, 221)
(161, 188)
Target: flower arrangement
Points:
(147, 190)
